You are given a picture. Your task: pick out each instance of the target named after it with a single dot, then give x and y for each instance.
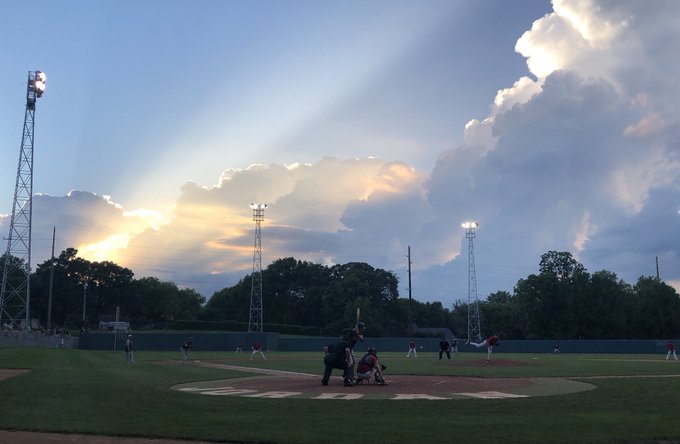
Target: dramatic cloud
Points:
(581, 154)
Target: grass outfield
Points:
(94, 392)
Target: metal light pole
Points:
(255, 322)
(15, 292)
(474, 327)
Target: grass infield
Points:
(94, 392)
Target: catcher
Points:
(370, 367)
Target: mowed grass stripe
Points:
(96, 393)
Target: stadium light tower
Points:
(15, 293)
(255, 323)
(474, 327)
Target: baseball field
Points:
(93, 396)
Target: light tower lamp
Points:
(469, 226)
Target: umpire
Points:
(340, 356)
(444, 348)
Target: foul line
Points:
(259, 370)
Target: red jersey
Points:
(491, 340)
(670, 346)
(367, 363)
(412, 344)
(257, 345)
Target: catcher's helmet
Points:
(361, 325)
(372, 350)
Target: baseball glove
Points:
(383, 367)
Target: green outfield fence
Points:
(228, 341)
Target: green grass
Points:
(95, 392)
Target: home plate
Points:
(492, 395)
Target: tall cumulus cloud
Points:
(581, 154)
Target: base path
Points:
(281, 384)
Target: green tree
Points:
(554, 302)
(302, 293)
(501, 315)
(657, 309)
(108, 286)
(610, 305)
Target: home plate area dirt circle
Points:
(277, 384)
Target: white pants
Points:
(489, 348)
(412, 350)
(671, 352)
(257, 351)
(368, 375)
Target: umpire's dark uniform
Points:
(444, 348)
(336, 358)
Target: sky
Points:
(367, 127)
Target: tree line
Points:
(562, 301)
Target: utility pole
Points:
(15, 292)
(658, 278)
(49, 298)
(410, 309)
(84, 301)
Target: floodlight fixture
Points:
(258, 211)
(469, 225)
(39, 83)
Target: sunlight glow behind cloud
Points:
(579, 152)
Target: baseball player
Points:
(129, 356)
(489, 343)
(370, 367)
(671, 351)
(454, 346)
(185, 348)
(412, 349)
(257, 348)
(353, 336)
